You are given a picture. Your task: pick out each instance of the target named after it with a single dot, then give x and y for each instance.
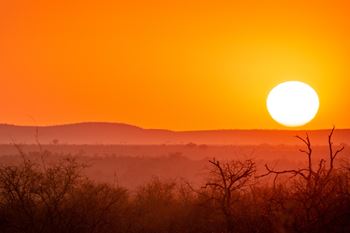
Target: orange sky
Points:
(170, 64)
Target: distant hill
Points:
(117, 133)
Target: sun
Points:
(293, 103)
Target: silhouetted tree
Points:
(226, 181)
(57, 198)
(314, 190)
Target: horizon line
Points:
(164, 129)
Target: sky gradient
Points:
(180, 65)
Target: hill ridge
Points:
(121, 133)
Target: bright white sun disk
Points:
(293, 103)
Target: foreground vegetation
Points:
(41, 197)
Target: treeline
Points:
(40, 197)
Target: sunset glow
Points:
(180, 65)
